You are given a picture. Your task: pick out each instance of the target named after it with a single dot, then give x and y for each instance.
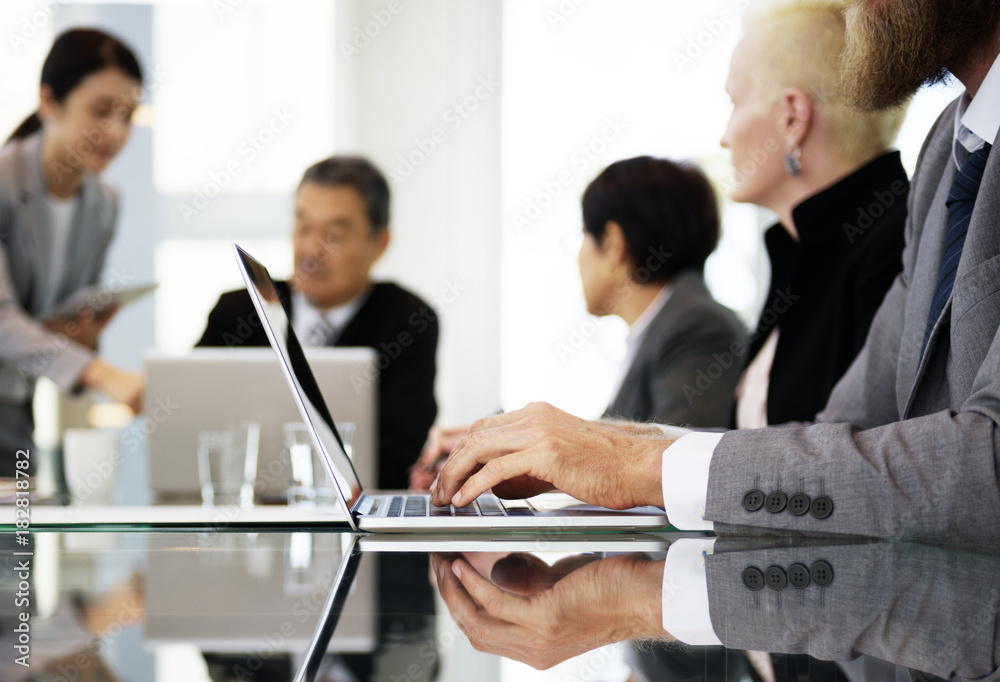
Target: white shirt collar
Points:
(977, 120)
(638, 328)
(305, 315)
(636, 333)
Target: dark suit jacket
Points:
(407, 367)
(685, 370)
(826, 287)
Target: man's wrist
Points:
(649, 476)
(635, 428)
(648, 604)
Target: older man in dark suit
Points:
(341, 229)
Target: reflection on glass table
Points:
(285, 606)
(881, 611)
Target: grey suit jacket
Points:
(28, 292)
(685, 370)
(911, 446)
(914, 606)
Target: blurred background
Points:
(529, 100)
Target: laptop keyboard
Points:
(420, 506)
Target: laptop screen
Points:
(300, 377)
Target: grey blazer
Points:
(684, 371)
(913, 606)
(911, 444)
(28, 290)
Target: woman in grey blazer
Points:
(649, 226)
(56, 222)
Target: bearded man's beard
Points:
(896, 46)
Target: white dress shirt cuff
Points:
(685, 480)
(686, 615)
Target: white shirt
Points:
(637, 332)
(977, 121)
(685, 489)
(305, 315)
(61, 214)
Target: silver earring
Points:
(793, 162)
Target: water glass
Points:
(227, 464)
(309, 482)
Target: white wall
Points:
(426, 108)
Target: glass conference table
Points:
(313, 602)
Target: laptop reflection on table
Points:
(626, 543)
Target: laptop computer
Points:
(208, 388)
(402, 511)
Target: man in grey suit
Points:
(910, 445)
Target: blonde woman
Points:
(839, 192)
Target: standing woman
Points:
(56, 222)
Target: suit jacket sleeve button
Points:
(821, 507)
(775, 578)
(798, 576)
(753, 500)
(798, 504)
(753, 578)
(821, 573)
(776, 501)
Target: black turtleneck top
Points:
(826, 287)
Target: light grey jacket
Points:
(919, 607)
(28, 292)
(912, 447)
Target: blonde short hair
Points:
(800, 43)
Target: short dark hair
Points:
(362, 175)
(660, 206)
(74, 55)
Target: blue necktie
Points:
(961, 202)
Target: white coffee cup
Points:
(91, 458)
